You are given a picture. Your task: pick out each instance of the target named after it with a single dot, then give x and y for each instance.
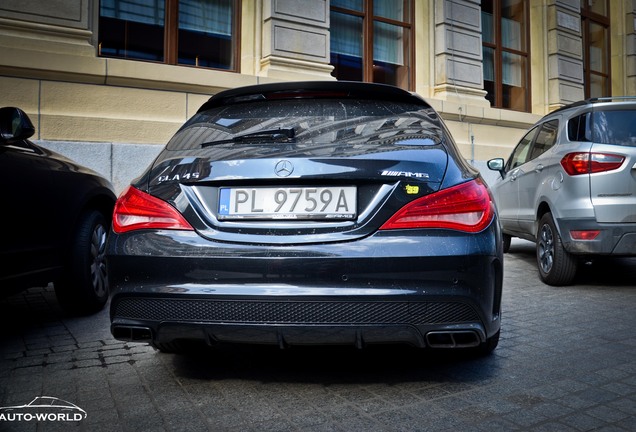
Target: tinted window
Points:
(519, 155)
(546, 138)
(315, 121)
(614, 127)
(577, 128)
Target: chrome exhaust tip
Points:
(132, 333)
(453, 339)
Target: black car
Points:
(55, 220)
(308, 213)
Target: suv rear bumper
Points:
(614, 239)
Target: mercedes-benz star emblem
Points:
(284, 168)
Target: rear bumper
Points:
(614, 239)
(421, 290)
(284, 336)
(293, 321)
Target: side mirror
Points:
(15, 125)
(497, 164)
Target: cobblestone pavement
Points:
(566, 362)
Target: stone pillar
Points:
(459, 75)
(630, 51)
(296, 40)
(565, 53)
(61, 27)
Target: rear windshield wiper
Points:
(269, 136)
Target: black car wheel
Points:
(84, 288)
(556, 265)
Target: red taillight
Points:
(466, 207)
(137, 210)
(590, 163)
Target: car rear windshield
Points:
(616, 127)
(312, 121)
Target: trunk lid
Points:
(382, 180)
(613, 193)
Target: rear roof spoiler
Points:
(313, 89)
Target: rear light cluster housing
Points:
(135, 210)
(590, 163)
(466, 207)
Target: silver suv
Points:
(570, 186)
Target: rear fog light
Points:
(584, 235)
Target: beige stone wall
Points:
(484, 133)
(620, 57)
(539, 53)
(69, 111)
(50, 68)
(630, 47)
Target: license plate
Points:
(334, 202)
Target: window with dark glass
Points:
(596, 48)
(545, 139)
(520, 154)
(578, 129)
(505, 53)
(185, 32)
(372, 41)
(615, 126)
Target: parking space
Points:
(566, 362)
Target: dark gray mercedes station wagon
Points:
(308, 213)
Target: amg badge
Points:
(404, 174)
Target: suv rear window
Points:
(616, 127)
(314, 121)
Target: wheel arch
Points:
(102, 201)
(542, 209)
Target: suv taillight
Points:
(466, 207)
(135, 210)
(590, 163)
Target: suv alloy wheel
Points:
(556, 265)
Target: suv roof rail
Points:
(594, 100)
(611, 98)
(571, 105)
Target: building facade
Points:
(107, 82)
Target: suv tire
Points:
(556, 265)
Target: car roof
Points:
(313, 89)
(599, 101)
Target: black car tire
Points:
(83, 289)
(557, 266)
(506, 239)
